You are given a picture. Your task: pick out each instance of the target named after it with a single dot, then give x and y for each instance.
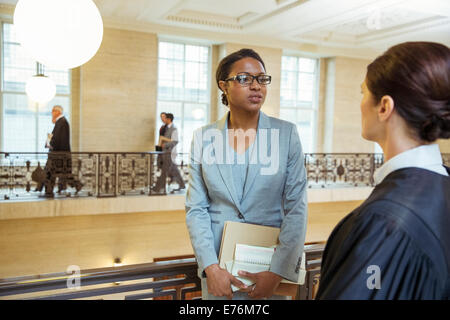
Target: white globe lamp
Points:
(198, 114)
(40, 89)
(59, 33)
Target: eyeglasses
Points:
(247, 79)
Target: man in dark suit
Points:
(59, 162)
(60, 137)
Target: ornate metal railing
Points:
(327, 170)
(112, 174)
(176, 279)
(83, 174)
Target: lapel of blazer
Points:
(255, 166)
(225, 169)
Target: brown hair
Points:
(225, 65)
(416, 75)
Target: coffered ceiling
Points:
(349, 25)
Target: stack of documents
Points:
(251, 259)
(250, 247)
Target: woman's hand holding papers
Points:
(265, 285)
(219, 281)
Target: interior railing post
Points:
(150, 171)
(116, 189)
(97, 174)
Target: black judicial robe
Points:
(403, 228)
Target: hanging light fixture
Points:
(40, 88)
(198, 114)
(59, 33)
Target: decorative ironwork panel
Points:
(341, 170)
(84, 169)
(158, 173)
(16, 172)
(107, 175)
(133, 171)
(5, 176)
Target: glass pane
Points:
(192, 75)
(183, 88)
(305, 86)
(204, 54)
(288, 90)
(195, 116)
(307, 65)
(20, 119)
(288, 114)
(18, 68)
(170, 107)
(297, 90)
(305, 119)
(289, 63)
(61, 79)
(164, 50)
(192, 53)
(9, 33)
(19, 124)
(171, 50)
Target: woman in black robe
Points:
(396, 245)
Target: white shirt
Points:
(425, 157)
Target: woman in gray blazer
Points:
(247, 167)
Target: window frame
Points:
(312, 106)
(2, 92)
(181, 117)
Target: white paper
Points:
(252, 259)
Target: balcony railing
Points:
(174, 279)
(99, 174)
(113, 174)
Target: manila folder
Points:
(254, 235)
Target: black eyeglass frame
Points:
(236, 77)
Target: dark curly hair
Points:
(225, 65)
(417, 77)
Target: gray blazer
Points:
(272, 197)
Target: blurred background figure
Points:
(59, 162)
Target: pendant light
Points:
(40, 88)
(63, 34)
